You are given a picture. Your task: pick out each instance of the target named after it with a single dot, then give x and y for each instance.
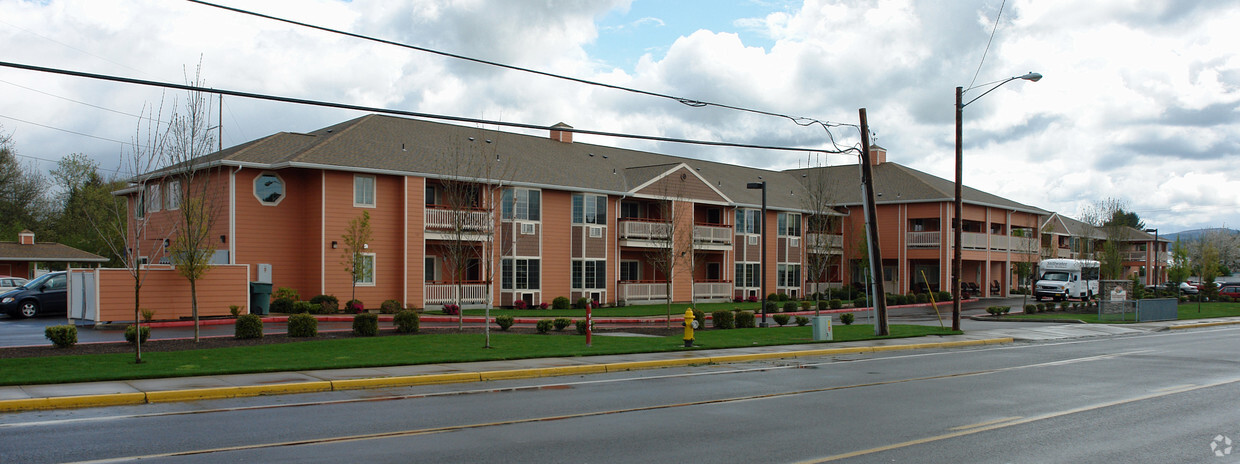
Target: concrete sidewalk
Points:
(114, 393)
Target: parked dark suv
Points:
(44, 295)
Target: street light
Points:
(1155, 231)
(762, 232)
(958, 222)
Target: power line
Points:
(301, 101)
(65, 130)
(988, 41)
(799, 120)
(140, 117)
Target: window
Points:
(153, 201)
(596, 232)
(519, 274)
(630, 209)
(528, 228)
(429, 270)
(430, 196)
(589, 274)
(788, 224)
(366, 269)
(522, 204)
(174, 195)
(269, 189)
(140, 210)
(748, 274)
(788, 275)
(630, 270)
(589, 209)
(748, 221)
(364, 191)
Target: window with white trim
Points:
(521, 204)
(430, 270)
(630, 270)
(748, 274)
(748, 221)
(589, 274)
(363, 191)
(519, 274)
(788, 275)
(153, 199)
(269, 188)
(431, 197)
(589, 209)
(174, 195)
(789, 225)
(366, 270)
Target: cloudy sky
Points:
(1141, 100)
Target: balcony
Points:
(833, 243)
(712, 290)
(643, 232)
(923, 239)
(712, 237)
(441, 293)
(443, 223)
(642, 290)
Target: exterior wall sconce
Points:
(333, 244)
(223, 239)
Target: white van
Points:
(1067, 278)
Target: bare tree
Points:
(1026, 269)
(672, 239)
(1102, 214)
(821, 221)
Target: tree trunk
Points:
(667, 286)
(193, 299)
(137, 321)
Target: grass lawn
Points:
(1187, 311)
(398, 350)
(678, 309)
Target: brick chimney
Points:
(25, 237)
(878, 155)
(561, 135)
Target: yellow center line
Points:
(983, 424)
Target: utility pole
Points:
(871, 228)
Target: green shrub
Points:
(995, 310)
(581, 303)
(248, 326)
(366, 325)
(328, 304)
(790, 306)
(1030, 309)
(781, 319)
(407, 321)
(847, 318)
(923, 298)
(722, 320)
(835, 303)
(823, 305)
(63, 336)
(802, 321)
(770, 307)
(895, 299)
(859, 302)
(1041, 307)
(543, 326)
(561, 323)
(303, 307)
(504, 322)
(285, 293)
(700, 317)
(326, 307)
(559, 302)
(234, 310)
(744, 320)
(283, 306)
(354, 306)
(303, 325)
(1064, 306)
(943, 296)
(129, 334)
(772, 297)
(805, 305)
(391, 307)
(581, 327)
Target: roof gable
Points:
(676, 181)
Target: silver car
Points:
(9, 283)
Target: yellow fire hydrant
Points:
(689, 324)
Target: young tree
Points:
(356, 240)
(1026, 269)
(672, 238)
(822, 220)
(1108, 215)
(1180, 268)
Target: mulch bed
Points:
(224, 342)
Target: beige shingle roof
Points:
(13, 251)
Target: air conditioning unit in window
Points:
(753, 239)
(528, 228)
(794, 242)
(596, 232)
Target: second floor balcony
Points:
(445, 223)
(975, 241)
(712, 236)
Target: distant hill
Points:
(1197, 233)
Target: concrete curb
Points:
(1201, 325)
(198, 394)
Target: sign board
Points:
(1115, 299)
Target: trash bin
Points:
(822, 328)
(260, 298)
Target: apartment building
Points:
(1140, 251)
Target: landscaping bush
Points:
(847, 318)
(285, 293)
(1030, 309)
(407, 321)
(62, 336)
(581, 303)
(823, 305)
(1041, 307)
(561, 323)
(744, 320)
(519, 304)
(802, 321)
(328, 303)
(303, 325)
(391, 307)
(504, 322)
(354, 306)
(543, 305)
(859, 302)
(248, 326)
(781, 319)
(770, 307)
(366, 325)
(805, 305)
(791, 306)
(581, 327)
(325, 307)
(129, 334)
(451, 309)
(772, 297)
(895, 299)
(996, 310)
(752, 299)
(835, 303)
(234, 310)
(700, 317)
(559, 302)
(923, 297)
(722, 320)
(544, 326)
(1064, 306)
(943, 296)
(283, 306)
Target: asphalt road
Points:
(1154, 397)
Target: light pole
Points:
(957, 221)
(762, 232)
(1155, 231)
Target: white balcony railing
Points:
(444, 293)
(1023, 244)
(448, 219)
(645, 230)
(923, 239)
(712, 234)
(711, 290)
(638, 291)
(973, 241)
(818, 242)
